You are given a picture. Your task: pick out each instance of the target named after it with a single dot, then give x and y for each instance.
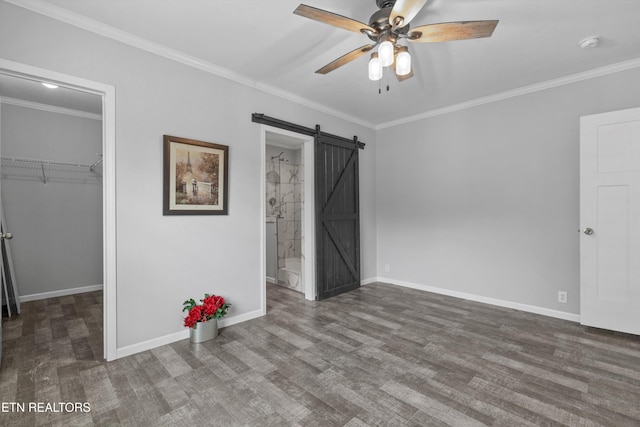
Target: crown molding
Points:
(91, 25)
(49, 108)
(71, 18)
(525, 90)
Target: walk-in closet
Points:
(51, 196)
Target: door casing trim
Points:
(108, 94)
(308, 219)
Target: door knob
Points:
(7, 236)
(588, 231)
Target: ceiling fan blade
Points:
(404, 11)
(345, 59)
(448, 31)
(332, 19)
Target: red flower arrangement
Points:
(212, 307)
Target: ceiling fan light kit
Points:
(403, 61)
(375, 67)
(388, 25)
(385, 52)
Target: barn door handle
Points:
(588, 231)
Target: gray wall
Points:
(485, 201)
(57, 226)
(163, 260)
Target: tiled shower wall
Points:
(287, 194)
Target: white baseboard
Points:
(182, 335)
(272, 280)
(228, 321)
(152, 343)
(369, 281)
(60, 293)
(478, 298)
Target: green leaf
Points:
(188, 304)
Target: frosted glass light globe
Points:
(375, 67)
(385, 53)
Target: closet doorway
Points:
(56, 145)
(289, 218)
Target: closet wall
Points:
(57, 225)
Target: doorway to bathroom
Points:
(289, 232)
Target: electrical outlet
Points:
(387, 268)
(562, 297)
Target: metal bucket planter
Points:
(204, 331)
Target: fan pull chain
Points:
(380, 84)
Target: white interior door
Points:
(610, 220)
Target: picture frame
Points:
(196, 177)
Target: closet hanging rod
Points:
(41, 163)
(95, 164)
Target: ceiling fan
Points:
(387, 27)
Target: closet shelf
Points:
(47, 169)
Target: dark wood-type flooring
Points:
(379, 355)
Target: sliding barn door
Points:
(337, 215)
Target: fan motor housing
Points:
(385, 3)
(380, 22)
(380, 19)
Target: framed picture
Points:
(195, 177)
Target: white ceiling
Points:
(262, 43)
(13, 89)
